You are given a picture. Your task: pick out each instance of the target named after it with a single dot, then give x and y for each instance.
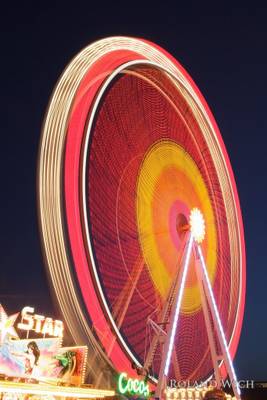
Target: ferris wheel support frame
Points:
(208, 303)
(226, 357)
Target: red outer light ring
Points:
(74, 141)
(77, 123)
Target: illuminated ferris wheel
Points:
(140, 216)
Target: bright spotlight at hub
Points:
(197, 225)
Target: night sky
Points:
(223, 49)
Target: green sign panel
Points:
(132, 386)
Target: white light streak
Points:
(218, 320)
(178, 306)
(51, 194)
(58, 391)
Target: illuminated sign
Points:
(40, 323)
(42, 359)
(132, 386)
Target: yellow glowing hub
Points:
(170, 184)
(197, 225)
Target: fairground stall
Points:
(34, 364)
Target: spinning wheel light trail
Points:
(129, 147)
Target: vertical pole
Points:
(218, 325)
(169, 342)
(208, 322)
(164, 315)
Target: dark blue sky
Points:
(224, 48)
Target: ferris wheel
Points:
(139, 215)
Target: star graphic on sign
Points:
(6, 324)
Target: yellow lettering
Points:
(48, 327)
(58, 328)
(26, 317)
(38, 322)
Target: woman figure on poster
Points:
(31, 357)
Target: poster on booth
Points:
(40, 359)
(69, 364)
(29, 358)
